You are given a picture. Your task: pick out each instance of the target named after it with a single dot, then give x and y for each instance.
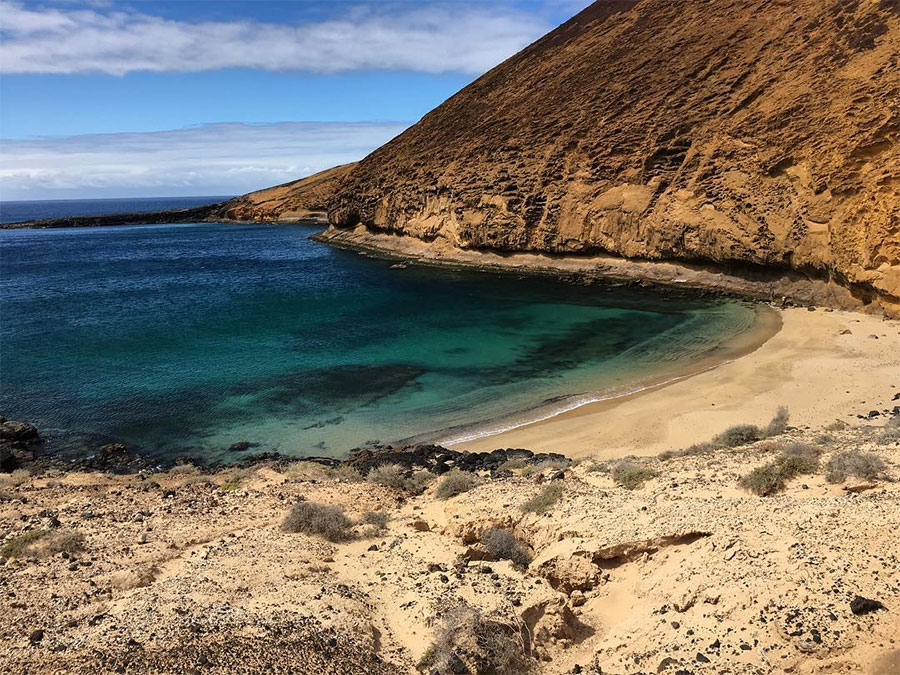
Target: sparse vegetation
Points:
(234, 478)
(891, 432)
(396, 477)
(14, 479)
(379, 519)
(455, 483)
(470, 641)
(502, 544)
(39, 543)
(864, 465)
(795, 460)
(778, 424)
(17, 547)
(545, 499)
(323, 520)
(630, 474)
(740, 434)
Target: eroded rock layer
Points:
(764, 132)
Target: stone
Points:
(861, 605)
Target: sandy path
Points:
(809, 366)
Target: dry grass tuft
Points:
(323, 520)
(864, 465)
(545, 499)
(469, 641)
(455, 483)
(630, 474)
(796, 459)
(502, 544)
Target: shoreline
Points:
(823, 366)
(766, 325)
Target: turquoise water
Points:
(184, 339)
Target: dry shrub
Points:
(313, 518)
(796, 459)
(740, 434)
(127, 580)
(396, 477)
(379, 519)
(631, 475)
(41, 543)
(305, 470)
(778, 424)
(545, 499)
(502, 544)
(469, 641)
(455, 483)
(864, 465)
(14, 479)
(234, 478)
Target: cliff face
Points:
(754, 131)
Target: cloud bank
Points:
(214, 159)
(439, 38)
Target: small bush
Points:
(455, 483)
(503, 545)
(63, 542)
(779, 423)
(740, 434)
(15, 479)
(630, 474)
(853, 463)
(234, 478)
(396, 477)
(545, 499)
(795, 460)
(513, 464)
(18, 547)
(344, 472)
(598, 467)
(552, 464)
(388, 475)
(307, 471)
(889, 435)
(312, 518)
(471, 642)
(379, 519)
(893, 422)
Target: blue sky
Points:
(100, 98)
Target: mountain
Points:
(721, 132)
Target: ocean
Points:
(17, 211)
(183, 339)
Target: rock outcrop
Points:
(760, 133)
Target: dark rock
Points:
(36, 636)
(860, 605)
(701, 658)
(241, 446)
(17, 431)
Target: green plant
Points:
(545, 499)
(502, 544)
(455, 483)
(631, 475)
(313, 518)
(864, 465)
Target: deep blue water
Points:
(184, 339)
(13, 212)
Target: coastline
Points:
(812, 366)
(766, 325)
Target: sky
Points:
(102, 98)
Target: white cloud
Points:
(215, 159)
(429, 38)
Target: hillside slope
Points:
(762, 132)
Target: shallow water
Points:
(184, 339)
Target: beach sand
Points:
(820, 372)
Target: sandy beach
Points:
(822, 365)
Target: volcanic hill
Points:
(754, 135)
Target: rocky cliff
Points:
(759, 132)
